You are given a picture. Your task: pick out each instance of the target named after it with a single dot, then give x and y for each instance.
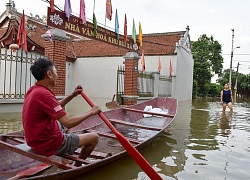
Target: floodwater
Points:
(201, 143)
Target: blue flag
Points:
(116, 24)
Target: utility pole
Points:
(231, 60)
(236, 81)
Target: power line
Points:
(242, 61)
(238, 54)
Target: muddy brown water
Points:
(201, 143)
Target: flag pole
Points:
(105, 15)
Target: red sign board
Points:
(57, 19)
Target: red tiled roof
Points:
(153, 44)
(2, 31)
(35, 35)
(160, 43)
(94, 48)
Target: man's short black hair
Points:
(40, 67)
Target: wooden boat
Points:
(16, 156)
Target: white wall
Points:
(183, 83)
(97, 75)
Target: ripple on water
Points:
(219, 143)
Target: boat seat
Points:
(95, 154)
(147, 112)
(24, 147)
(135, 125)
(109, 135)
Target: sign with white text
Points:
(57, 19)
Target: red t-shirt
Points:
(40, 112)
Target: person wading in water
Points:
(226, 98)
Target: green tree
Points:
(243, 84)
(207, 61)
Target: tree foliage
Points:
(243, 83)
(207, 61)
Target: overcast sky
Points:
(212, 17)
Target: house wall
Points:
(98, 77)
(183, 69)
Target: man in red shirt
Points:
(44, 117)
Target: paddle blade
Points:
(139, 159)
(31, 171)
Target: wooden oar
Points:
(141, 161)
(31, 171)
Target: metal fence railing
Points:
(15, 76)
(146, 82)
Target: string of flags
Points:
(108, 15)
(82, 15)
(22, 42)
(143, 65)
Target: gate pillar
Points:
(55, 50)
(130, 78)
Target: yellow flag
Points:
(140, 34)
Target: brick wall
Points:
(56, 51)
(131, 80)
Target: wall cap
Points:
(56, 34)
(131, 55)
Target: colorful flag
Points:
(159, 64)
(170, 69)
(140, 34)
(67, 8)
(109, 10)
(143, 61)
(116, 25)
(49, 34)
(21, 35)
(125, 29)
(134, 32)
(52, 6)
(82, 11)
(95, 25)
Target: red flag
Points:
(52, 7)
(82, 11)
(21, 36)
(143, 61)
(109, 10)
(170, 69)
(125, 29)
(159, 64)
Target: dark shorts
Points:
(70, 142)
(226, 102)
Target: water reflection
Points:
(10, 122)
(224, 123)
(202, 143)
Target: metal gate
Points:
(145, 87)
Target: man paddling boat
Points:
(43, 115)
